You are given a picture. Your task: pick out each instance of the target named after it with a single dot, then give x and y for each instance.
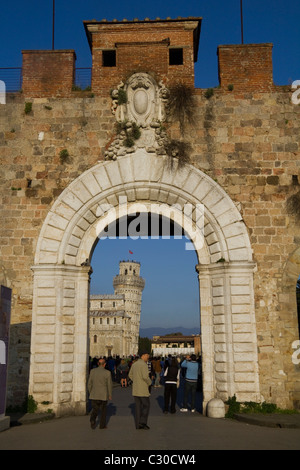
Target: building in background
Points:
(178, 345)
(115, 319)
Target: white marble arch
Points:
(59, 345)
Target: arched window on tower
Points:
(107, 321)
(95, 339)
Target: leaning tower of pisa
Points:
(129, 283)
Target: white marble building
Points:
(114, 320)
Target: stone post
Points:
(59, 346)
(5, 309)
(228, 329)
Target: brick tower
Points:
(167, 48)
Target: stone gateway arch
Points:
(59, 345)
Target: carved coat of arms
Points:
(139, 106)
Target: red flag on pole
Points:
(131, 252)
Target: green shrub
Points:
(209, 93)
(131, 130)
(234, 407)
(122, 96)
(28, 107)
(135, 131)
(31, 404)
(63, 155)
(129, 142)
(253, 407)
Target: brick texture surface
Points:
(48, 73)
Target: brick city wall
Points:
(246, 138)
(248, 143)
(246, 66)
(48, 73)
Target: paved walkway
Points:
(171, 433)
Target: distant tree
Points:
(145, 344)
(174, 334)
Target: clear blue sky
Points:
(27, 24)
(171, 293)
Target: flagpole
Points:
(53, 22)
(242, 26)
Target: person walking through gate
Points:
(172, 377)
(190, 384)
(100, 390)
(139, 374)
(123, 369)
(157, 369)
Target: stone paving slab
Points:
(181, 432)
(274, 420)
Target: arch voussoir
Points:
(142, 177)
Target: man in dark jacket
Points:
(172, 377)
(100, 390)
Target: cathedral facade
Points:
(114, 320)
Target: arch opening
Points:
(162, 257)
(170, 299)
(62, 276)
(291, 290)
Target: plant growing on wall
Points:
(31, 404)
(209, 93)
(293, 206)
(119, 95)
(63, 155)
(28, 107)
(131, 130)
(181, 109)
(122, 96)
(181, 106)
(178, 149)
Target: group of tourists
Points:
(142, 373)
